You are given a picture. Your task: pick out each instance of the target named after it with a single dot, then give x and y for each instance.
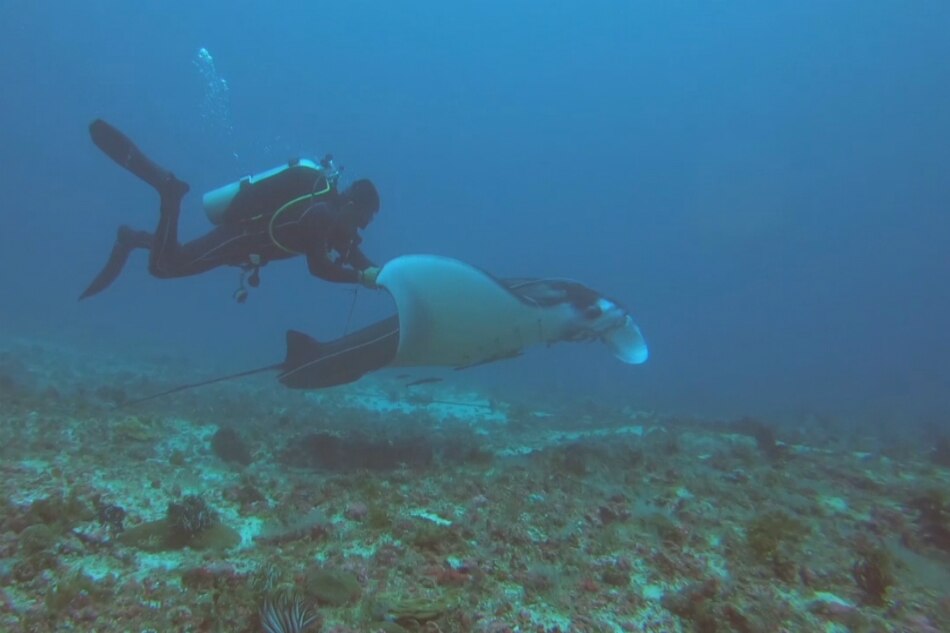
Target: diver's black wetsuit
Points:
(315, 229)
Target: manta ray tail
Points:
(301, 348)
(311, 364)
(202, 383)
(308, 364)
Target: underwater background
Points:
(763, 184)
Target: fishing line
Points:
(349, 316)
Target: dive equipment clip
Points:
(251, 271)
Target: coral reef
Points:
(361, 510)
(228, 445)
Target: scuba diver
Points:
(295, 209)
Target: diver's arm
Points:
(358, 260)
(320, 265)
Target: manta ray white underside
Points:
(452, 314)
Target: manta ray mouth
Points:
(627, 343)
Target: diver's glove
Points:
(368, 276)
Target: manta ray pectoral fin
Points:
(493, 359)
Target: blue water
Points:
(763, 184)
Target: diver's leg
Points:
(171, 259)
(123, 151)
(164, 258)
(126, 241)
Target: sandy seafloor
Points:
(384, 508)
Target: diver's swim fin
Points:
(123, 151)
(126, 241)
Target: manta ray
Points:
(452, 314)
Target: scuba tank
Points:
(263, 194)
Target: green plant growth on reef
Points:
(158, 536)
(873, 572)
(36, 538)
(58, 513)
(773, 538)
(332, 586)
(62, 594)
(933, 517)
(187, 524)
(39, 529)
(431, 537)
(411, 612)
(378, 519)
